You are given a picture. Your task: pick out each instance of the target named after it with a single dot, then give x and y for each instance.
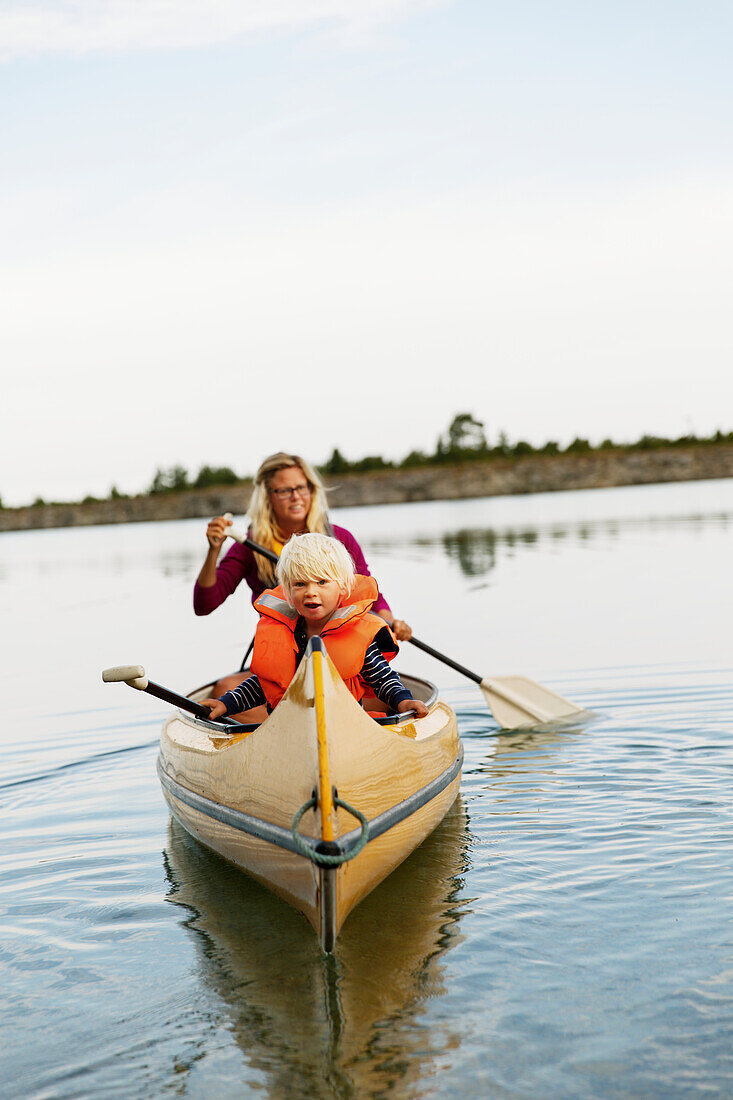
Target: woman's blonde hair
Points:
(263, 524)
(315, 557)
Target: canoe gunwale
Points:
(283, 838)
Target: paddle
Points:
(513, 700)
(134, 676)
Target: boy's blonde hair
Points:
(314, 557)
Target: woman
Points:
(288, 499)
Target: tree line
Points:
(463, 441)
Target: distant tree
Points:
(466, 433)
(415, 458)
(371, 462)
(651, 442)
(171, 480)
(159, 484)
(178, 478)
(39, 502)
(578, 446)
(90, 500)
(521, 447)
(336, 464)
(215, 475)
(1, 504)
(550, 448)
(503, 446)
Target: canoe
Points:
(321, 801)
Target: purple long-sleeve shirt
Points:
(240, 564)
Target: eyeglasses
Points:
(294, 491)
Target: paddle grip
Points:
(245, 540)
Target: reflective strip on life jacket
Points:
(342, 613)
(269, 600)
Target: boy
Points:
(319, 593)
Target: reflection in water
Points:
(317, 1025)
(523, 751)
(477, 550)
(181, 564)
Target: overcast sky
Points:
(230, 227)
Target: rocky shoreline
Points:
(496, 477)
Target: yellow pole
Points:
(325, 798)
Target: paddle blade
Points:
(517, 701)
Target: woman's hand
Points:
(216, 708)
(413, 704)
(401, 630)
(216, 532)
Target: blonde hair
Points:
(263, 524)
(315, 557)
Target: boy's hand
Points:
(413, 704)
(216, 707)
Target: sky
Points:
(240, 226)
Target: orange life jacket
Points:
(347, 635)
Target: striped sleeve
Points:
(384, 682)
(248, 694)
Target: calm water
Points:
(565, 933)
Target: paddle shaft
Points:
(261, 550)
(183, 703)
(446, 660)
(177, 700)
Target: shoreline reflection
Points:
(477, 551)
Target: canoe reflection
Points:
(318, 1025)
